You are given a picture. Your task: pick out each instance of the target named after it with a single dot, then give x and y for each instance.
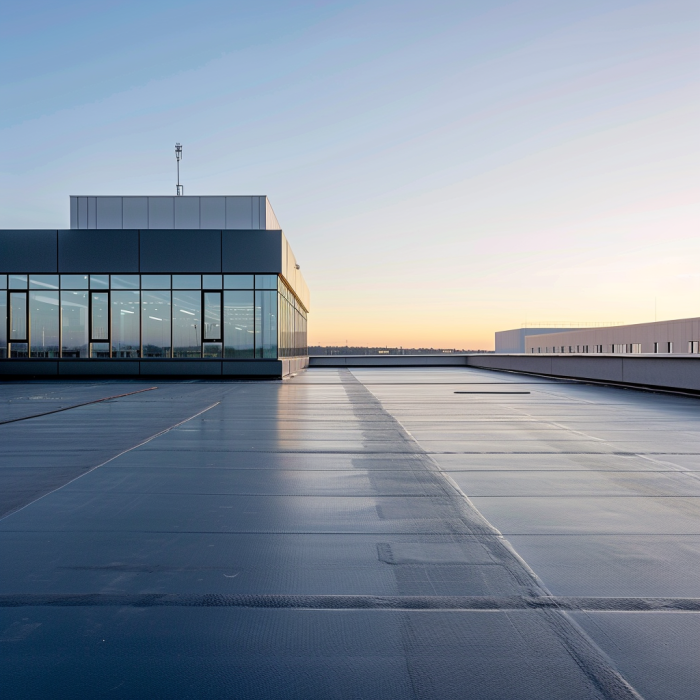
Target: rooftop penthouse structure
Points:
(139, 286)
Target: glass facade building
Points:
(161, 316)
(154, 285)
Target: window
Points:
(44, 315)
(670, 347)
(74, 281)
(187, 282)
(656, 347)
(239, 327)
(126, 324)
(3, 325)
(19, 341)
(211, 282)
(155, 281)
(99, 316)
(17, 281)
(43, 282)
(99, 281)
(693, 347)
(238, 281)
(74, 324)
(125, 282)
(187, 324)
(266, 324)
(212, 324)
(636, 348)
(155, 323)
(266, 282)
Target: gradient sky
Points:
(443, 169)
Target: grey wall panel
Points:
(239, 213)
(28, 368)
(255, 368)
(82, 212)
(186, 212)
(208, 368)
(135, 212)
(212, 212)
(110, 367)
(92, 212)
(255, 202)
(98, 251)
(74, 212)
(109, 212)
(28, 251)
(161, 213)
(251, 251)
(181, 251)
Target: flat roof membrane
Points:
(364, 533)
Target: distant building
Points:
(138, 286)
(681, 336)
(513, 341)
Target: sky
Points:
(442, 169)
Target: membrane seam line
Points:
(97, 466)
(78, 405)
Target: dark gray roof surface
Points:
(349, 534)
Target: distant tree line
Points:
(363, 350)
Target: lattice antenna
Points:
(178, 157)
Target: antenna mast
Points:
(178, 156)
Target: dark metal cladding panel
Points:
(252, 251)
(180, 251)
(98, 250)
(28, 251)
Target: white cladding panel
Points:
(109, 212)
(186, 212)
(135, 212)
(161, 212)
(212, 212)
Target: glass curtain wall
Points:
(252, 317)
(155, 323)
(74, 324)
(187, 324)
(126, 326)
(43, 332)
(239, 324)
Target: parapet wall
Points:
(675, 372)
(681, 372)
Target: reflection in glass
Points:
(43, 316)
(187, 282)
(43, 282)
(238, 324)
(212, 350)
(155, 324)
(99, 350)
(99, 281)
(19, 350)
(266, 281)
(18, 281)
(187, 326)
(74, 324)
(74, 281)
(18, 316)
(211, 281)
(3, 281)
(3, 325)
(212, 316)
(100, 316)
(266, 324)
(238, 281)
(126, 336)
(155, 281)
(125, 281)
